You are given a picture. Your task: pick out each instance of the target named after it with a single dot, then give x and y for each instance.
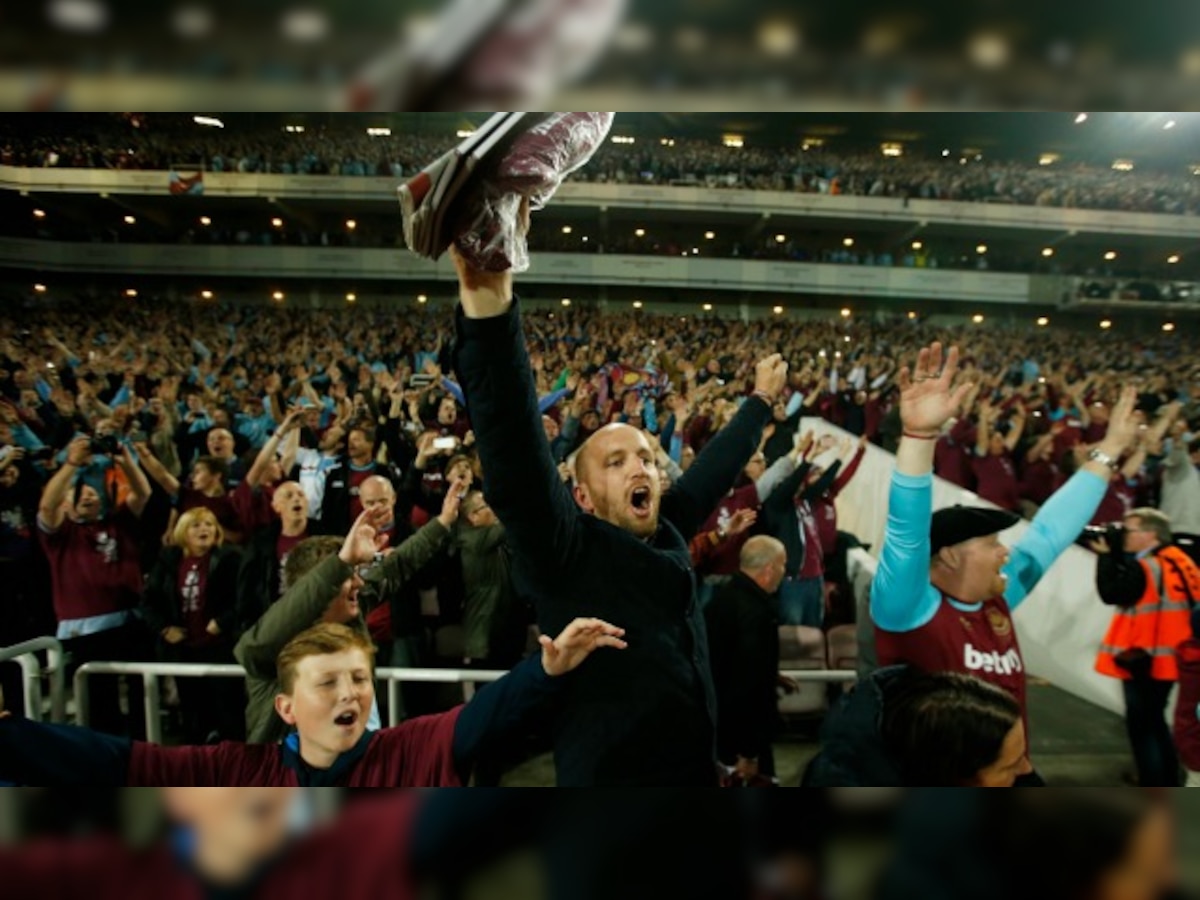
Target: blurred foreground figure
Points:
(489, 55)
(390, 845)
(1039, 845)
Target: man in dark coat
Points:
(649, 717)
(743, 641)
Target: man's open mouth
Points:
(347, 719)
(640, 500)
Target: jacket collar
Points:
(307, 776)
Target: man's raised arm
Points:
(717, 467)
(492, 364)
(902, 598)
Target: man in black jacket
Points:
(649, 718)
(743, 641)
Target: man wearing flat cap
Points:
(943, 597)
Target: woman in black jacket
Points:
(190, 605)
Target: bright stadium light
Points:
(208, 121)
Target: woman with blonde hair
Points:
(190, 606)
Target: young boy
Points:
(326, 691)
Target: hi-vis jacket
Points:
(1160, 619)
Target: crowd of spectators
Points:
(305, 493)
(274, 421)
(976, 180)
(170, 142)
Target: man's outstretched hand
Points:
(360, 545)
(928, 397)
(485, 295)
(576, 642)
(770, 375)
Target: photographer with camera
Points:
(1155, 586)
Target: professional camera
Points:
(104, 444)
(1113, 533)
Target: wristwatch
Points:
(1095, 455)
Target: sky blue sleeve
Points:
(455, 391)
(1056, 526)
(120, 397)
(545, 403)
(793, 403)
(902, 599)
(676, 453)
(650, 420)
(25, 437)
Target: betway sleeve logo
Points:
(980, 661)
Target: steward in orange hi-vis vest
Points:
(1145, 635)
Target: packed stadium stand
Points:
(220, 364)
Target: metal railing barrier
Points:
(32, 673)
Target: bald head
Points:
(375, 492)
(764, 560)
(617, 479)
(602, 441)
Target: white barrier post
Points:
(151, 701)
(32, 672)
